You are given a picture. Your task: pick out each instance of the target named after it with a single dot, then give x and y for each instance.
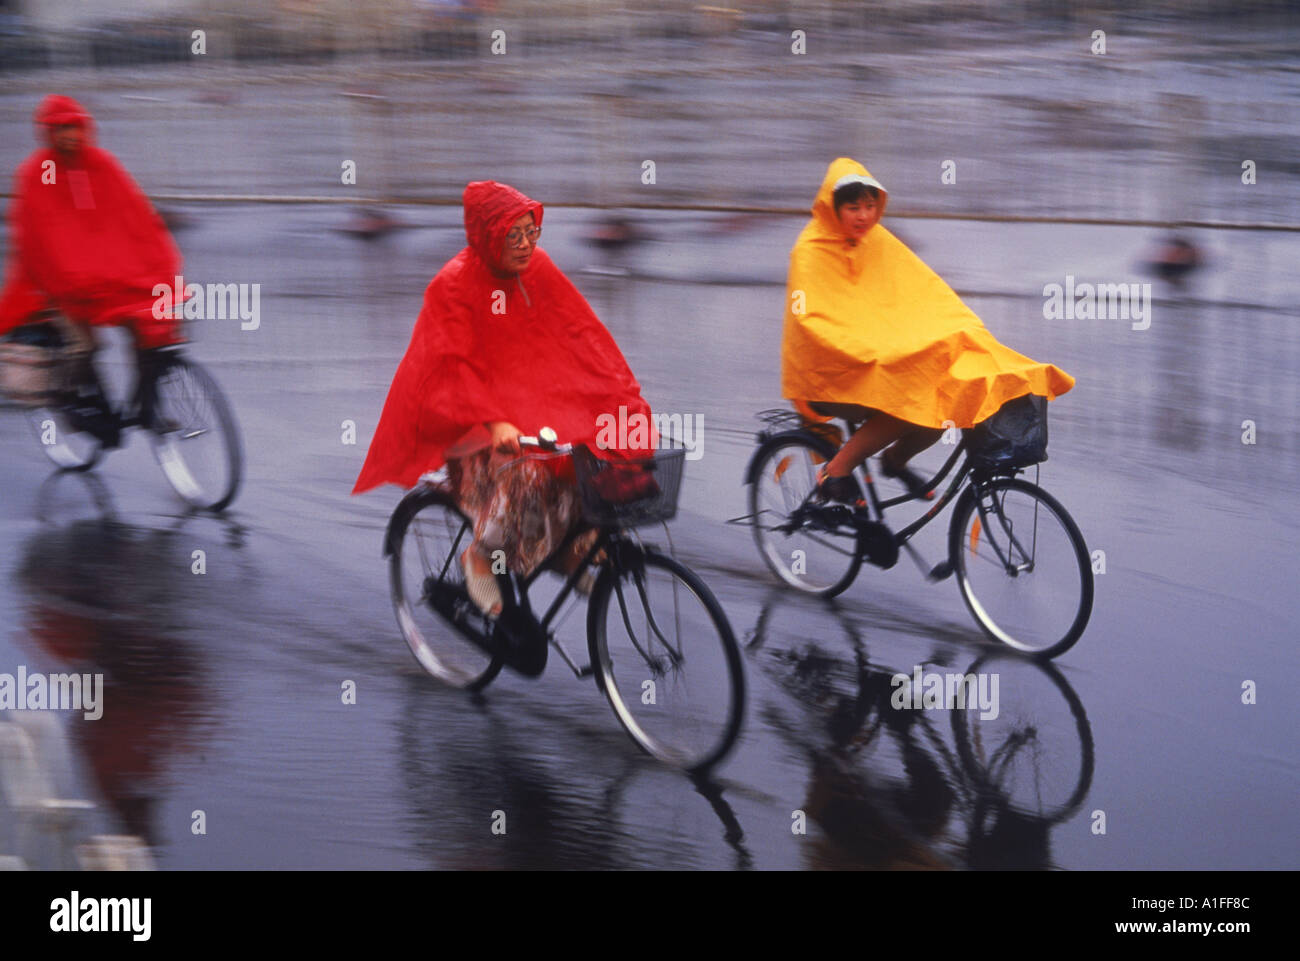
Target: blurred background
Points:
(1012, 92)
(1063, 161)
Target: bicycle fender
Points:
(825, 447)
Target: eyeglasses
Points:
(515, 236)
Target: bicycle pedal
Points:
(830, 517)
(941, 571)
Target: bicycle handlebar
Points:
(545, 440)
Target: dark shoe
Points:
(879, 546)
(841, 490)
(913, 481)
(521, 641)
(93, 416)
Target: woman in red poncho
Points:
(86, 242)
(504, 346)
(84, 238)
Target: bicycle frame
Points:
(146, 372)
(514, 587)
(878, 506)
(961, 473)
(959, 479)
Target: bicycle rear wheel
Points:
(65, 444)
(1022, 566)
(425, 539)
(667, 660)
(817, 561)
(195, 438)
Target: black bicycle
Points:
(660, 646)
(1022, 566)
(49, 369)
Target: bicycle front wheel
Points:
(667, 660)
(1022, 566)
(426, 537)
(815, 559)
(195, 438)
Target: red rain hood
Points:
(490, 209)
(491, 347)
(83, 236)
(57, 110)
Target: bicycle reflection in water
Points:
(887, 788)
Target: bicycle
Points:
(648, 615)
(1022, 567)
(194, 436)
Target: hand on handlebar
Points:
(546, 439)
(505, 437)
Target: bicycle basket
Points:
(1015, 436)
(629, 493)
(34, 365)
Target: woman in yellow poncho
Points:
(872, 334)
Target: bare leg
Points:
(572, 557)
(480, 582)
(871, 438)
(909, 445)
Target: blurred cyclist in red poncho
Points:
(504, 346)
(84, 239)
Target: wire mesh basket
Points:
(629, 493)
(36, 361)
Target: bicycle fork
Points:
(987, 506)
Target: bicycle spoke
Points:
(429, 599)
(195, 438)
(802, 555)
(690, 720)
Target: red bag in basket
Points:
(624, 483)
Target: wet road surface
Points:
(223, 689)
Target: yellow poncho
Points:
(880, 328)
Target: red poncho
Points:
(489, 346)
(89, 242)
